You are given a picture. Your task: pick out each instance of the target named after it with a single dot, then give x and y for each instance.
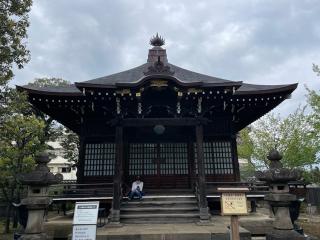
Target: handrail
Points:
(235, 183)
(64, 190)
(259, 187)
(82, 184)
(255, 182)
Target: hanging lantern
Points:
(159, 129)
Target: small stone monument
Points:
(37, 200)
(279, 198)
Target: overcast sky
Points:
(261, 42)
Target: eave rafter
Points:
(171, 96)
(188, 102)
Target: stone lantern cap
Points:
(277, 173)
(41, 175)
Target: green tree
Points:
(245, 144)
(19, 140)
(70, 144)
(293, 136)
(314, 102)
(14, 21)
(13, 102)
(49, 82)
(24, 130)
(316, 69)
(245, 151)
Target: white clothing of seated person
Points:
(136, 189)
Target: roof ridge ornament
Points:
(159, 67)
(157, 41)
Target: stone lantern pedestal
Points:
(37, 200)
(279, 197)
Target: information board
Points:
(86, 213)
(85, 221)
(234, 204)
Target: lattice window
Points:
(174, 157)
(167, 157)
(141, 159)
(209, 158)
(217, 157)
(99, 159)
(222, 157)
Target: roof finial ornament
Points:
(157, 41)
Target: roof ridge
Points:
(113, 74)
(206, 75)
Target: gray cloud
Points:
(263, 42)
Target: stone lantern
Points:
(279, 197)
(37, 200)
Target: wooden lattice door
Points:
(161, 165)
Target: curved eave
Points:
(249, 115)
(265, 89)
(47, 92)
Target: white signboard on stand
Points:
(85, 221)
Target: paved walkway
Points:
(309, 218)
(61, 226)
(217, 230)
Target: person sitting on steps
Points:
(136, 189)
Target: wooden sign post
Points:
(234, 203)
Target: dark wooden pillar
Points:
(117, 180)
(81, 160)
(192, 167)
(235, 160)
(82, 152)
(203, 204)
(125, 166)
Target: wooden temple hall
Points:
(173, 127)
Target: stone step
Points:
(152, 209)
(161, 208)
(162, 199)
(162, 214)
(159, 205)
(160, 220)
(166, 196)
(159, 215)
(169, 191)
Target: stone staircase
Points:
(161, 206)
